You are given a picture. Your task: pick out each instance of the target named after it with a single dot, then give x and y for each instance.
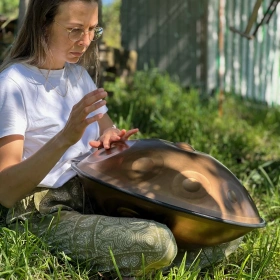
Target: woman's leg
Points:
(93, 238)
(56, 215)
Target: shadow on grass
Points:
(3, 213)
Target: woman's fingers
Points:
(93, 96)
(122, 135)
(129, 133)
(91, 102)
(79, 120)
(95, 118)
(111, 136)
(109, 139)
(95, 143)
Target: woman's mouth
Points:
(77, 54)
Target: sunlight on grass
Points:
(246, 140)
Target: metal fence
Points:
(181, 37)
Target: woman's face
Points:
(71, 14)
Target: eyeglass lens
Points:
(76, 34)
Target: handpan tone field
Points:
(197, 197)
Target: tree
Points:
(111, 24)
(9, 7)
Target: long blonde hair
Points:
(31, 44)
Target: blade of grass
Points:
(115, 264)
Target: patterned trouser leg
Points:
(90, 238)
(56, 215)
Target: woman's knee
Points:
(166, 246)
(136, 242)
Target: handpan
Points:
(196, 196)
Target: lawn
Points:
(245, 139)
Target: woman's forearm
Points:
(18, 178)
(21, 178)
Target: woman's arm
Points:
(105, 123)
(17, 177)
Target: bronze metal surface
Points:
(196, 196)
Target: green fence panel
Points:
(182, 38)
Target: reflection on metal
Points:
(197, 197)
(252, 20)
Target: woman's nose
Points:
(85, 39)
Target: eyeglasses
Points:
(75, 34)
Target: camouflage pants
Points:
(65, 219)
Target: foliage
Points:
(245, 139)
(111, 24)
(9, 7)
(24, 256)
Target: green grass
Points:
(245, 139)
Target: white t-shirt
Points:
(33, 107)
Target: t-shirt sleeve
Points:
(12, 110)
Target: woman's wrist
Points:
(110, 128)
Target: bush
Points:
(243, 138)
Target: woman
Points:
(51, 112)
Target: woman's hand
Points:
(79, 120)
(20, 177)
(111, 135)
